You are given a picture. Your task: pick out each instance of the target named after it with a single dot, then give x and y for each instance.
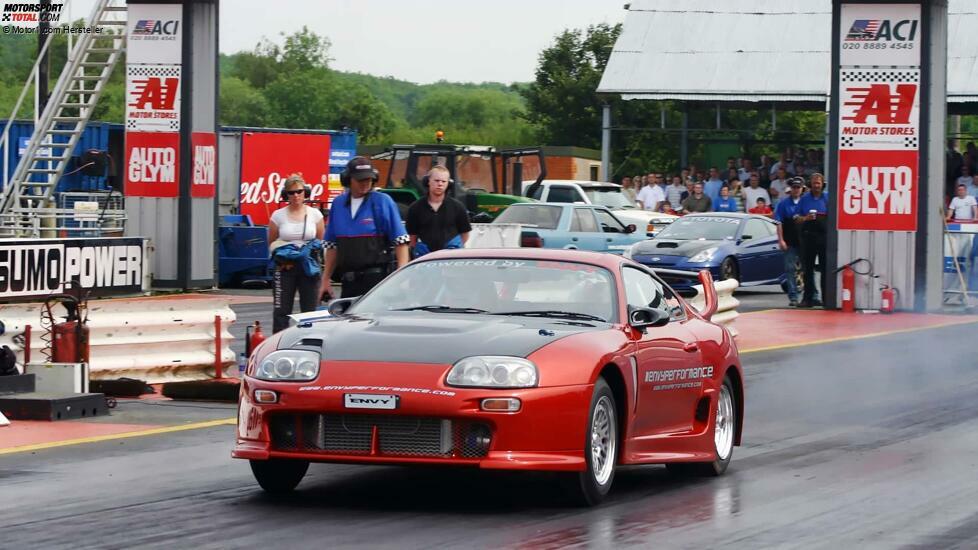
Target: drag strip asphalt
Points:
(862, 443)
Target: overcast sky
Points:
(416, 40)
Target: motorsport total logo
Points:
(29, 15)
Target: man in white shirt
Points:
(755, 191)
(963, 206)
(650, 197)
(779, 186)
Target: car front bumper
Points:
(431, 424)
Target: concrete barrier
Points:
(159, 339)
(727, 305)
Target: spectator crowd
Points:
(742, 186)
(961, 189)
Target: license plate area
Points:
(370, 401)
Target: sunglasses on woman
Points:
(296, 192)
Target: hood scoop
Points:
(667, 244)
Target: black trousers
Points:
(812, 247)
(285, 283)
(360, 285)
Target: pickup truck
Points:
(604, 194)
(571, 226)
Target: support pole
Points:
(605, 142)
(218, 364)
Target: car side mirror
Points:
(643, 317)
(339, 307)
(630, 228)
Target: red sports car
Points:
(513, 359)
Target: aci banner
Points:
(268, 158)
(46, 266)
(879, 117)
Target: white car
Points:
(599, 193)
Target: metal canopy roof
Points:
(752, 51)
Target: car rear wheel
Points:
(589, 487)
(279, 476)
(728, 269)
(724, 430)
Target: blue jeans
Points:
(790, 269)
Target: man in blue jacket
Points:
(363, 228)
(813, 210)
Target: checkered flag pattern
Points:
(910, 142)
(847, 141)
(902, 76)
(154, 70)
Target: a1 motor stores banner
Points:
(45, 266)
(268, 158)
(204, 163)
(153, 98)
(152, 164)
(878, 190)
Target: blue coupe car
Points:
(731, 245)
(571, 226)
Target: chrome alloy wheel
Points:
(604, 440)
(723, 429)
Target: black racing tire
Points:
(729, 269)
(725, 420)
(601, 445)
(278, 477)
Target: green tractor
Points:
(473, 170)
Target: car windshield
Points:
(611, 197)
(542, 216)
(565, 290)
(709, 228)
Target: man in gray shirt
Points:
(697, 202)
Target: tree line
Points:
(291, 85)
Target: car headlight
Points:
(288, 365)
(704, 255)
(493, 372)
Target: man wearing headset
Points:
(363, 226)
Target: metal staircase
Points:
(26, 205)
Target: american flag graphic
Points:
(864, 29)
(144, 26)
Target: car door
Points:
(773, 265)
(755, 250)
(584, 231)
(665, 357)
(616, 237)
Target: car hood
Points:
(671, 247)
(425, 337)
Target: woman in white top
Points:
(295, 224)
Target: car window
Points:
(563, 193)
(609, 221)
(641, 289)
(676, 310)
(537, 192)
(757, 229)
(536, 215)
(584, 221)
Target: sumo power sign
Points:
(37, 268)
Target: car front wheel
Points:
(279, 476)
(728, 269)
(590, 487)
(724, 430)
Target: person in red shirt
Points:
(761, 208)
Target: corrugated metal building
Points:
(754, 51)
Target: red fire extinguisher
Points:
(69, 338)
(253, 337)
(848, 288)
(888, 299)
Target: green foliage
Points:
(241, 104)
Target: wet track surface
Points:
(867, 443)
